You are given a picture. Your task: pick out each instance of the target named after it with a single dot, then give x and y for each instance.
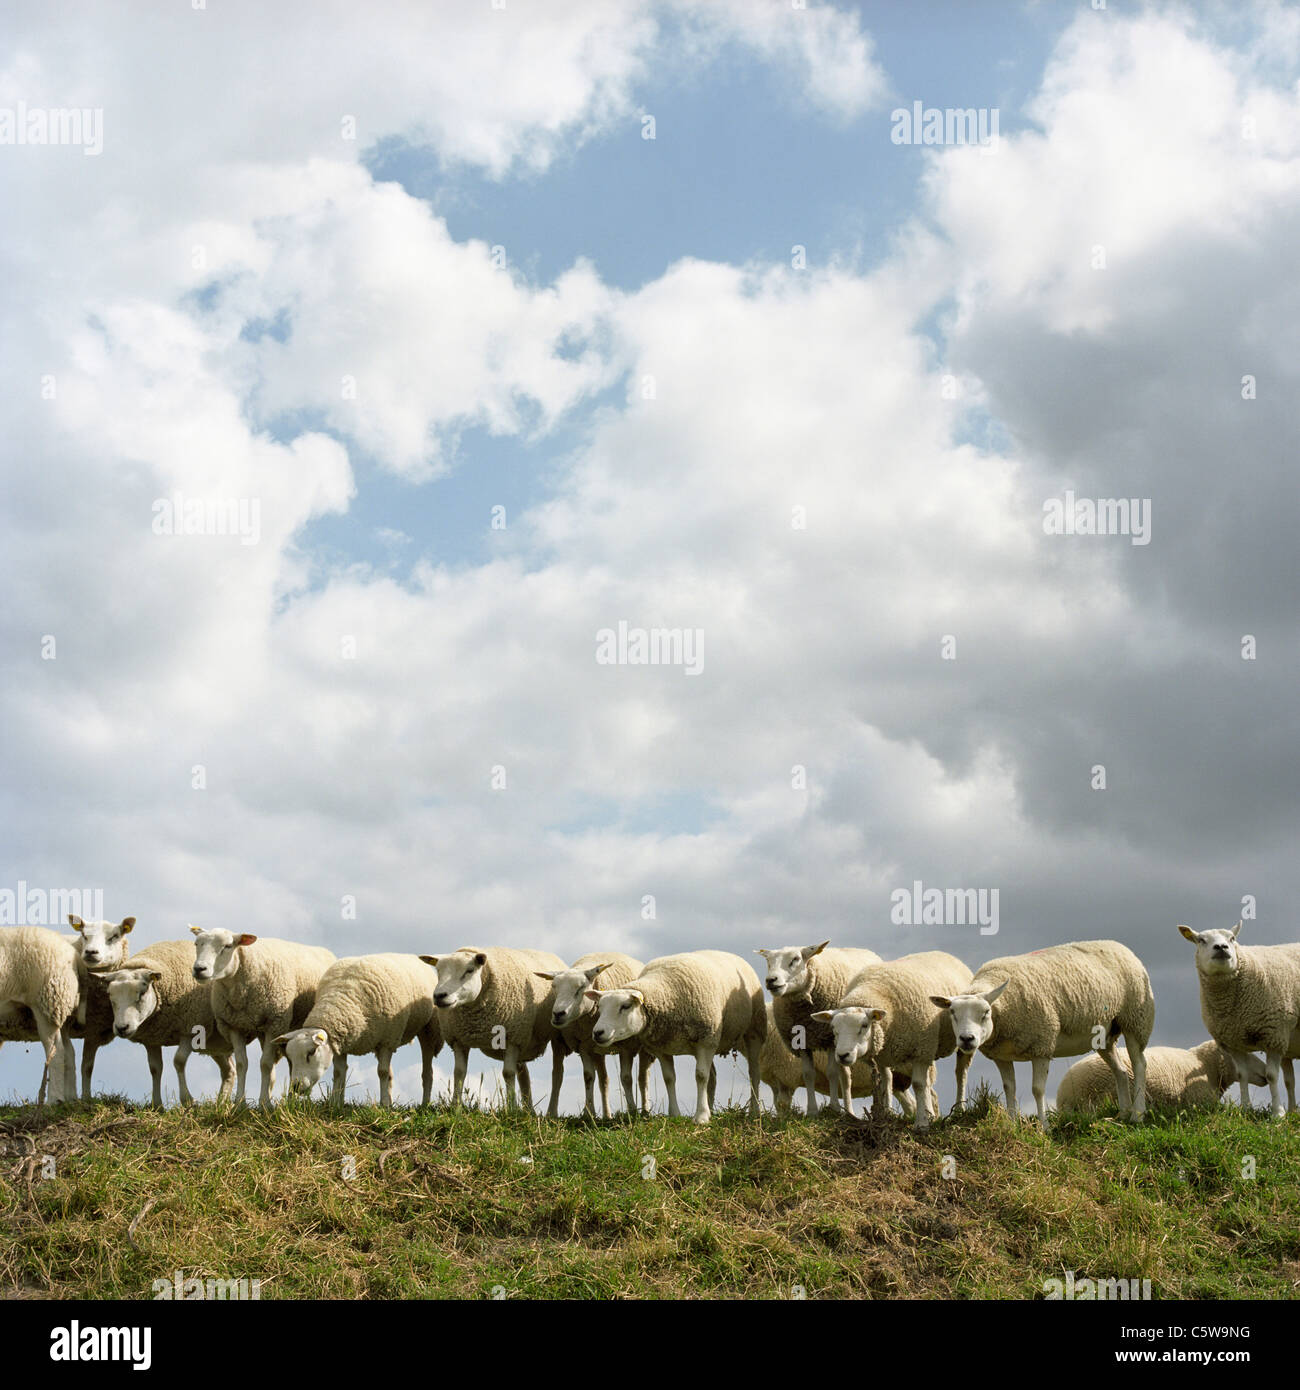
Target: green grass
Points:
(457, 1205)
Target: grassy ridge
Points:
(436, 1204)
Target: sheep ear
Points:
(75, 922)
(320, 1036)
(758, 951)
(809, 951)
(595, 993)
(244, 939)
(824, 1015)
(594, 970)
(154, 975)
(991, 994)
(1193, 936)
(194, 929)
(127, 923)
(637, 995)
(940, 1002)
(1234, 931)
(430, 960)
(546, 974)
(107, 977)
(875, 1015)
(480, 958)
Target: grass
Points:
(434, 1204)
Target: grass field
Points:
(100, 1201)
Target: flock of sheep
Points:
(839, 1020)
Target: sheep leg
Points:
(964, 1059)
(625, 1077)
(1288, 1076)
(510, 1070)
(384, 1059)
(557, 1078)
(426, 1068)
(782, 1095)
(525, 1086)
(668, 1066)
(881, 1086)
(932, 1080)
(713, 1083)
(240, 1046)
(458, 1073)
(155, 1071)
(1138, 1061)
(906, 1101)
(921, 1090)
(1039, 1088)
(753, 1061)
(69, 1064)
(340, 1092)
(1241, 1060)
(647, 1061)
(1272, 1067)
(1007, 1071)
(704, 1075)
(179, 1058)
(589, 1083)
(809, 1080)
(226, 1065)
(268, 1063)
(1111, 1058)
(602, 1075)
(52, 1045)
(89, 1050)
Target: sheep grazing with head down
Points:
(886, 1020)
(365, 1004)
(699, 1003)
(261, 987)
(1178, 1078)
(1058, 1002)
(1250, 1002)
(803, 981)
(157, 1002)
(573, 1012)
(40, 971)
(494, 1000)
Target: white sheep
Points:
(156, 1002)
(573, 1013)
(261, 987)
(365, 1004)
(1250, 1002)
(100, 945)
(803, 981)
(1190, 1078)
(1058, 1002)
(701, 1003)
(493, 1000)
(41, 971)
(782, 1070)
(887, 1020)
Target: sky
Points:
(485, 372)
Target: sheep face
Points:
(620, 1014)
(787, 969)
(102, 944)
(216, 954)
(571, 1001)
(1216, 950)
(971, 1015)
(133, 997)
(852, 1029)
(460, 978)
(310, 1056)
